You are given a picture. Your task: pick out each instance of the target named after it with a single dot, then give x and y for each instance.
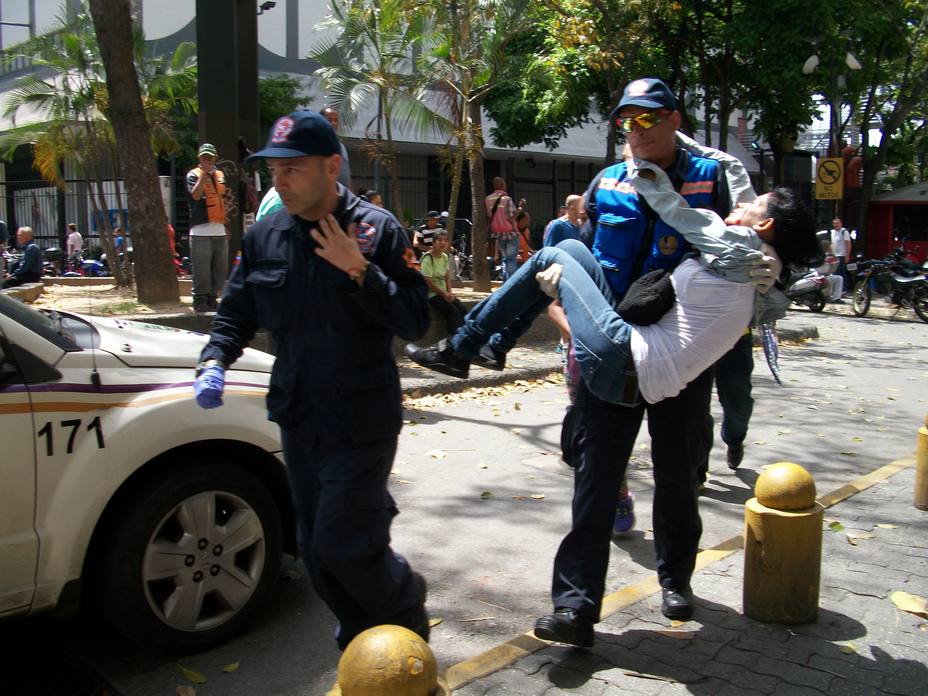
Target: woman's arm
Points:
(739, 183)
(701, 227)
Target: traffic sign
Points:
(829, 178)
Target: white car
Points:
(117, 488)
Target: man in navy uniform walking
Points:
(333, 279)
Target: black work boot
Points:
(566, 626)
(677, 604)
(440, 357)
(491, 359)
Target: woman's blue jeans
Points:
(601, 338)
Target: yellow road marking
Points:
(501, 656)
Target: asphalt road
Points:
(485, 501)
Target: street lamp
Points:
(265, 6)
(812, 62)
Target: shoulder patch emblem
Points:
(409, 256)
(367, 236)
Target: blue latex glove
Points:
(209, 385)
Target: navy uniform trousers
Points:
(598, 438)
(344, 512)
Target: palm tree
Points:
(466, 63)
(75, 102)
(371, 58)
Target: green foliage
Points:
(546, 91)
(279, 95)
(71, 93)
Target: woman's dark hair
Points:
(794, 229)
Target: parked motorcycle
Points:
(895, 276)
(808, 288)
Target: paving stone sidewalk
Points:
(860, 644)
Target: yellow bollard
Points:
(388, 660)
(783, 547)
(921, 468)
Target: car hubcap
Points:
(204, 561)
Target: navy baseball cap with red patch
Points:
(300, 134)
(648, 93)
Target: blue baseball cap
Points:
(300, 134)
(648, 93)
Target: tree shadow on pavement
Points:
(731, 653)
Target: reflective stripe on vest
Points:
(622, 225)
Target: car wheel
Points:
(192, 557)
(861, 297)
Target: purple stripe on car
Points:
(108, 389)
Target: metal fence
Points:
(48, 210)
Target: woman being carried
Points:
(714, 300)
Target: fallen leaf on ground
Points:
(679, 635)
(481, 465)
(403, 481)
(848, 453)
(231, 667)
(485, 495)
(518, 497)
(185, 690)
(538, 496)
(437, 454)
(857, 439)
(888, 526)
(835, 527)
(434, 621)
(910, 603)
(849, 649)
(517, 406)
(861, 535)
(192, 675)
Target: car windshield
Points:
(64, 330)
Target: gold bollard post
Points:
(783, 547)
(921, 468)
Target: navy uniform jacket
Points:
(334, 373)
(629, 239)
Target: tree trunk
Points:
(457, 162)
(391, 162)
(155, 274)
(477, 196)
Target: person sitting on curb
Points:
(434, 268)
(29, 268)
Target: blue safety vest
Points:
(623, 226)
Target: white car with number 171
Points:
(119, 490)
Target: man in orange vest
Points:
(209, 242)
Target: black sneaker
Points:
(491, 359)
(677, 604)
(734, 456)
(566, 626)
(440, 357)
